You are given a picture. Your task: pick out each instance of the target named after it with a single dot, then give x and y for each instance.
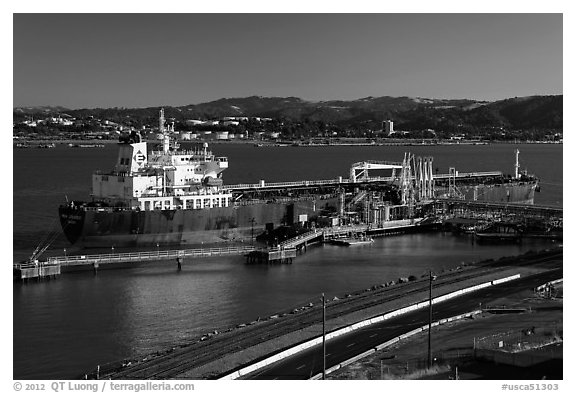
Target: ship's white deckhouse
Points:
(162, 180)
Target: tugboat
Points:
(353, 241)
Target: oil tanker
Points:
(173, 196)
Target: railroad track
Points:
(177, 361)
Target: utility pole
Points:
(323, 337)
(432, 278)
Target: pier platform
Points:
(272, 255)
(38, 271)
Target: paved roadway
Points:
(309, 362)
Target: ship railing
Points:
(74, 260)
(249, 202)
(304, 183)
(285, 184)
(198, 153)
(468, 174)
(348, 181)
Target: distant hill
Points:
(409, 113)
(31, 110)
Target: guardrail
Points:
(298, 348)
(394, 341)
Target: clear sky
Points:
(140, 60)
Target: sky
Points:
(143, 60)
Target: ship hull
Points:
(519, 193)
(104, 227)
(125, 228)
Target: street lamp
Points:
(323, 336)
(65, 256)
(432, 278)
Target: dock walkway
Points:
(53, 265)
(302, 239)
(79, 260)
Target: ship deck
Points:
(263, 186)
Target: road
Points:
(309, 363)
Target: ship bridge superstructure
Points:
(163, 179)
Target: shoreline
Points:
(256, 143)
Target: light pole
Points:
(65, 256)
(323, 336)
(432, 278)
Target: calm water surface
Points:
(65, 327)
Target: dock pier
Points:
(53, 266)
(271, 256)
(36, 270)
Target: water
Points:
(65, 327)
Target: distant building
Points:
(222, 135)
(194, 122)
(388, 127)
(185, 136)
